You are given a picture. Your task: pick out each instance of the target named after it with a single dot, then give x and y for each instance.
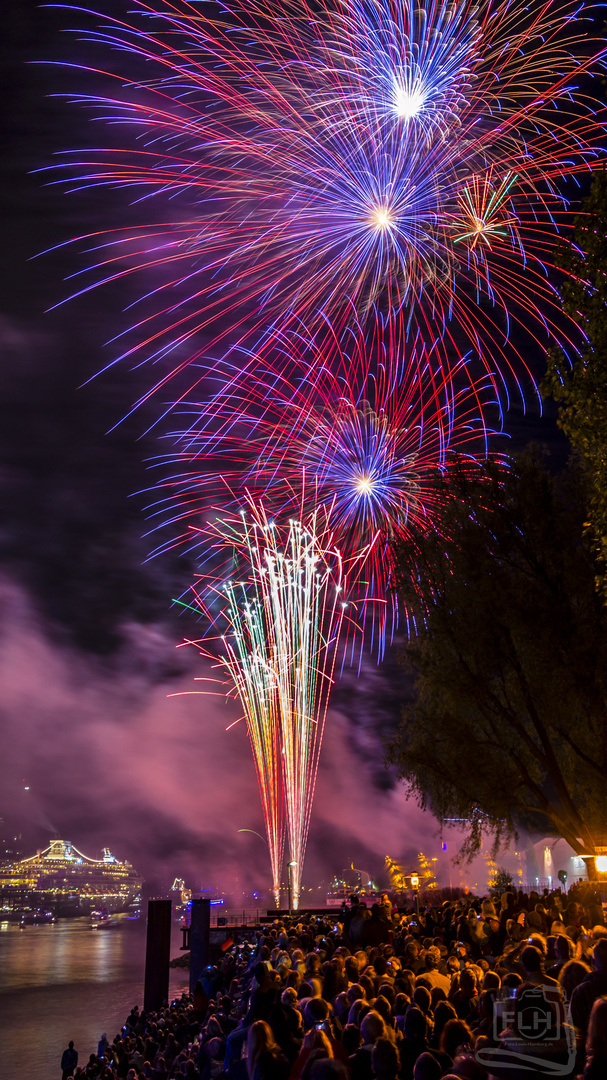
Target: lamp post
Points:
(292, 863)
(415, 887)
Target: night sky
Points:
(95, 701)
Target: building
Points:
(62, 879)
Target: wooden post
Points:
(157, 955)
(200, 933)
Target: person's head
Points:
(443, 1012)
(467, 982)
(599, 956)
(341, 1006)
(326, 1068)
(387, 990)
(563, 948)
(70, 1045)
(401, 1004)
(571, 975)
(214, 1027)
(416, 1023)
(437, 994)
(427, 1068)
(350, 1038)
(384, 1059)
(432, 957)
(466, 1068)
(316, 1011)
(422, 998)
(351, 968)
(381, 966)
(372, 1027)
(452, 965)
(596, 1042)
(355, 992)
(358, 1011)
(491, 981)
(531, 959)
(456, 1033)
(312, 963)
(384, 1008)
(406, 982)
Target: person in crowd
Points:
(592, 987)
(532, 963)
(596, 1042)
(384, 1060)
(265, 1059)
(431, 976)
(465, 998)
(69, 1061)
(427, 1068)
(415, 1041)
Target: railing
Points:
(222, 916)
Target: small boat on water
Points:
(39, 917)
(106, 922)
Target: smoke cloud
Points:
(115, 753)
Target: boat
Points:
(105, 923)
(37, 918)
(64, 881)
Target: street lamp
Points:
(415, 887)
(292, 863)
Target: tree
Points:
(509, 722)
(501, 882)
(579, 384)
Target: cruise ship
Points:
(63, 880)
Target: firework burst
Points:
(368, 421)
(280, 616)
(307, 157)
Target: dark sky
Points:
(88, 637)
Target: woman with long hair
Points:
(265, 1059)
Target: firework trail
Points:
(367, 420)
(306, 157)
(281, 615)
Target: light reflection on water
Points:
(65, 981)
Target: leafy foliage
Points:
(500, 882)
(580, 388)
(509, 724)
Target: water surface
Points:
(65, 981)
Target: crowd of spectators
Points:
(470, 988)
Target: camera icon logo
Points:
(532, 1033)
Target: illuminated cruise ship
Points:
(62, 879)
